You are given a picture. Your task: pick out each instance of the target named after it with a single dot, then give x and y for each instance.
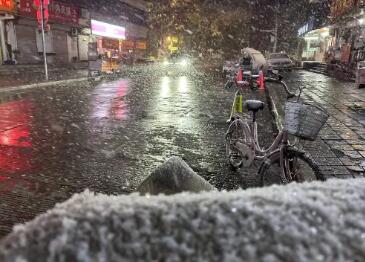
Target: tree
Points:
(228, 25)
(205, 25)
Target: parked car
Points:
(280, 61)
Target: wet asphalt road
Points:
(108, 136)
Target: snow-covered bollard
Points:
(174, 176)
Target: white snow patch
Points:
(306, 222)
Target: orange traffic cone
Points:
(261, 80)
(240, 75)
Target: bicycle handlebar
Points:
(279, 80)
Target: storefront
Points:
(317, 43)
(112, 42)
(108, 38)
(63, 39)
(134, 49)
(348, 42)
(8, 42)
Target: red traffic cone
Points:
(240, 75)
(261, 80)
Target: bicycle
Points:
(282, 162)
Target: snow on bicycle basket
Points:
(304, 120)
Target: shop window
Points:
(110, 44)
(315, 44)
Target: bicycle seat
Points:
(254, 105)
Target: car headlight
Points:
(184, 62)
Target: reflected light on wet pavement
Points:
(108, 101)
(15, 132)
(174, 103)
(183, 85)
(165, 87)
(16, 154)
(108, 136)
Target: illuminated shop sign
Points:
(107, 30)
(306, 28)
(7, 5)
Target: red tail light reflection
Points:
(15, 132)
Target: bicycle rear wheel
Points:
(302, 168)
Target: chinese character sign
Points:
(58, 12)
(37, 4)
(7, 5)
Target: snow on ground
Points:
(307, 222)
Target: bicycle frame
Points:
(250, 148)
(273, 153)
(252, 135)
(250, 130)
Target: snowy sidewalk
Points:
(22, 75)
(340, 149)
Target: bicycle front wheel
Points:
(233, 154)
(300, 168)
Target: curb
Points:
(44, 84)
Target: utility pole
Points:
(44, 40)
(276, 32)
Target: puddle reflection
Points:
(109, 102)
(174, 103)
(15, 142)
(15, 132)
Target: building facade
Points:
(120, 14)
(348, 31)
(8, 42)
(70, 35)
(315, 33)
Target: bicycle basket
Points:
(304, 120)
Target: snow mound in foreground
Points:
(307, 222)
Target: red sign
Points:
(58, 12)
(38, 7)
(7, 5)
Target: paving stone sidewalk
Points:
(340, 148)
